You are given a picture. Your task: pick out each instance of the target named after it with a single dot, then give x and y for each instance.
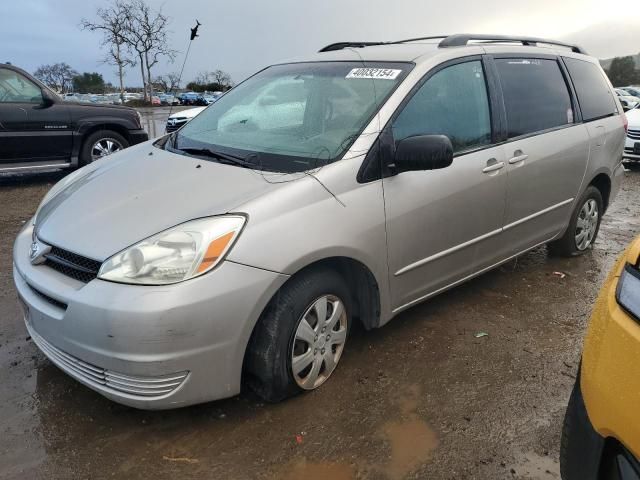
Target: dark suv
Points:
(38, 130)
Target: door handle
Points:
(492, 166)
(518, 157)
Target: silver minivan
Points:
(342, 187)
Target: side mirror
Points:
(423, 152)
(47, 99)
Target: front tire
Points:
(300, 337)
(584, 226)
(101, 144)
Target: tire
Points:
(567, 245)
(86, 156)
(581, 448)
(275, 340)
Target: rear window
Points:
(594, 95)
(535, 95)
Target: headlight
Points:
(139, 119)
(182, 252)
(628, 290)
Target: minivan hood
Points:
(123, 199)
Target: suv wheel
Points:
(101, 144)
(300, 338)
(584, 226)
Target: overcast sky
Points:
(241, 36)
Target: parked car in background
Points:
(627, 100)
(601, 434)
(178, 119)
(192, 98)
(635, 91)
(38, 130)
(632, 146)
(241, 248)
(211, 97)
(168, 99)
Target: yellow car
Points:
(601, 434)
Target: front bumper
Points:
(138, 136)
(629, 146)
(610, 379)
(585, 454)
(143, 346)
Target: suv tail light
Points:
(625, 122)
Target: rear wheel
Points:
(300, 338)
(584, 226)
(101, 144)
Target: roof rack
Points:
(462, 39)
(459, 40)
(342, 45)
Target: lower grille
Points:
(118, 383)
(72, 265)
(48, 299)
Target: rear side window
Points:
(453, 102)
(594, 95)
(535, 94)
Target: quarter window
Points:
(535, 94)
(453, 102)
(14, 88)
(594, 95)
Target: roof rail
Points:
(342, 45)
(459, 40)
(462, 39)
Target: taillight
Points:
(625, 122)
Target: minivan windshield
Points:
(291, 118)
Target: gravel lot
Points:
(419, 398)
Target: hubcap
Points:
(104, 147)
(319, 342)
(587, 224)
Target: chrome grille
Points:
(633, 134)
(147, 387)
(176, 124)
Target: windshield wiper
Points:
(221, 157)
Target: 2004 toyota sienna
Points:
(342, 187)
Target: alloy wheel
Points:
(319, 342)
(104, 147)
(587, 224)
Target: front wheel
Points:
(584, 226)
(299, 339)
(101, 144)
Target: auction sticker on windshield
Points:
(376, 73)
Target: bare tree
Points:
(109, 23)
(221, 78)
(146, 34)
(58, 76)
(168, 82)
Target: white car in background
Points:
(632, 145)
(178, 119)
(627, 100)
(635, 91)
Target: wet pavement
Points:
(423, 397)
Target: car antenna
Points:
(192, 37)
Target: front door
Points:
(441, 224)
(29, 129)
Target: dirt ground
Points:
(421, 398)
